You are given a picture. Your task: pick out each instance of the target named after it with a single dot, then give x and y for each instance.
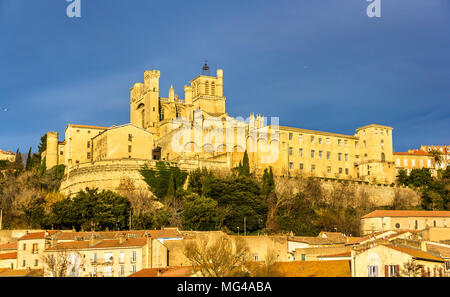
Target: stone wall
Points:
(104, 175)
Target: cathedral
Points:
(196, 131)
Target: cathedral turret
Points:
(171, 94)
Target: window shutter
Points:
(397, 270)
(422, 269)
(386, 271)
(376, 271)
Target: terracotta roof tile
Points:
(333, 268)
(346, 254)
(7, 256)
(442, 250)
(406, 213)
(22, 272)
(37, 235)
(415, 253)
(101, 244)
(8, 246)
(181, 271)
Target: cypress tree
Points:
(19, 162)
(28, 163)
(245, 164)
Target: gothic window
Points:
(213, 88)
(161, 113)
(207, 88)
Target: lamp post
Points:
(238, 231)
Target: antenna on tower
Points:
(205, 69)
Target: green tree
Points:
(160, 177)
(243, 197)
(298, 216)
(403, 177)
(28, 162)
(201, 213)
(91, 209)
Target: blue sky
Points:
(321, 65)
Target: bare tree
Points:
(268, 267)
(218, 258)
(62, 263)
(411, 269)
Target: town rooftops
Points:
(298, 130)
(406, 213)
(100, 244)
(86, 127)
(7, 153)
(37, 235)
(21, 273)
(175, 271)
(339, 255)
(8, 246)
(415, 253)
(438, 248)
(8, 256)
(413, 153)
(317, 240)
(332, 268)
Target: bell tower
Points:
(144, 102)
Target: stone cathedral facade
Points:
(196, 131)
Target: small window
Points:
(291, 165)
(88, 155)
(312, 153)
(130, 137)
(36, 262)
(312, 139)
(397, 225)
(300, 137)
(320, 140)
(88, 144)
(346, 171)
(290, 151)
(339, 142)
(301, 166)
(313, 168)
(290, 136)
(129, 148)
(329, 169)
(328, 155)
(300, 152)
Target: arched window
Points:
(213, 88)
(141, 114)
(207, 88)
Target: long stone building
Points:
(197, 132)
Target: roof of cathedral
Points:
(316, 132)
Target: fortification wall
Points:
(111, 174)
(104, 175)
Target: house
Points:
(387, 260)
(397, 220)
